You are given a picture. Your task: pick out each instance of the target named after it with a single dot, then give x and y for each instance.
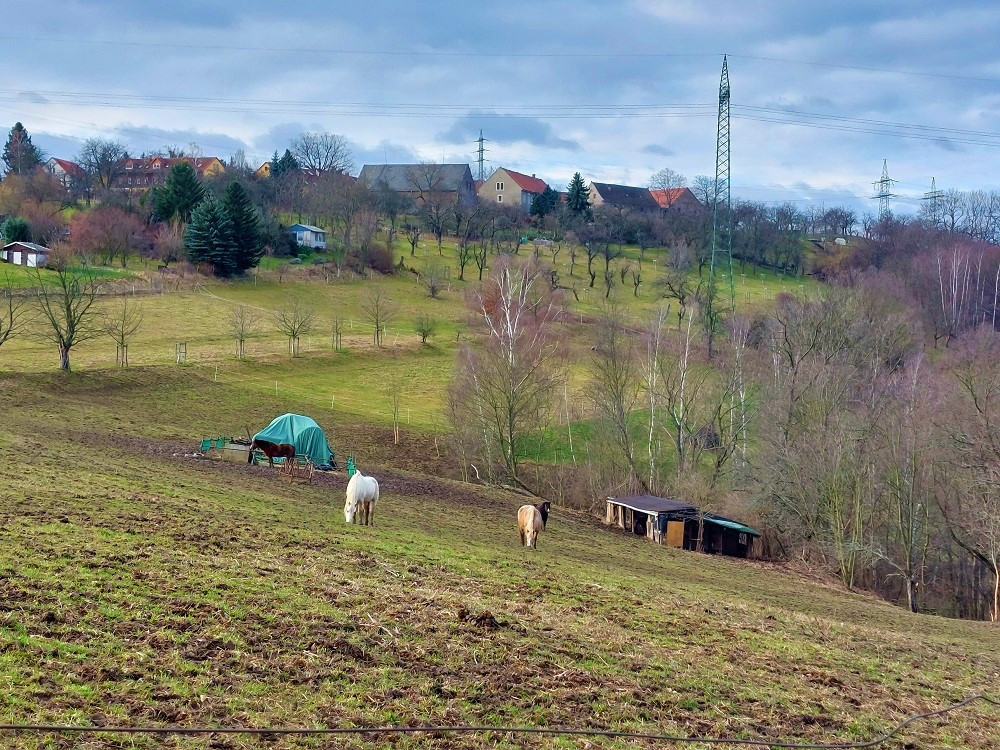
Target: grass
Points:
(141, 587)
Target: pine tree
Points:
(577, 198)
(179, 195)
(19, 154)
(287, 163)
(209, 238)
(247, 235)
(545, 202)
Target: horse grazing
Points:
(362, 494)
(531, 519)
(271, 450)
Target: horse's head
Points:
(350, 509)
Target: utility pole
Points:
(933, 199)
(482, 154)
(721, 262)
(883, 192)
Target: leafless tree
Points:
(425, 326)
(323, 152)
(243, 324)
(121, 323)
(412, 231)
(434, 202)
(103, 159)
(433, 277)
(13, 310)
(338, 332)
(66, 302)
(380, 310)
(295, 319)
(667, 180)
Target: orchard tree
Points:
(12, 310)
(20, 155)
(209, 238)
(66, 301)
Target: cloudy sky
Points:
(821, 92)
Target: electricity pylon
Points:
(721, 262)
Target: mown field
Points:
(141, 587)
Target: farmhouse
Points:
(308, 235)
(144, 173)
(423, 182)
(511, 188)
(25, 254)
(67, 172)
(622, 197)
(679, 524)
(680, 200)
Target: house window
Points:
(128, 166)
(499, 186)
(156, 165)
(499, 199)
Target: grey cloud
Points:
(505, 129)
(657, 150)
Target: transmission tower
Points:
(722, 222)
(883, 192)
(933, 199)
(482, 154)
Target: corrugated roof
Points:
(307, 227)
(710, 518)
(652, 504)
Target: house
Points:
(25, 254)
(147, 172)
(69, 173)
(681, 200)
(679, 524)
(421, 181)
(622, 197)
(511, 188)
(263, 171)
(308, 235)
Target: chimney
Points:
(532, 174)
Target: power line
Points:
(472, 729)
(869, 69)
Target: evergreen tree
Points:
(545, 202)
(15, 229)
(577, 198)
(209, 238)
(19, 154)
(287, 163)
(179, 195)
(247, 235)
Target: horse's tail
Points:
(253, 447)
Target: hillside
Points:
(137, 586)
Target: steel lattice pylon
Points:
(722, 222)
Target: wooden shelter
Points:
(678, 524)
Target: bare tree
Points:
(412, 231)
(103, 159)
(506, 386)
(668, 181)
(433, 278)
(338, 332)
(13, 309)
(66, 301)
(425, 326)
(294, 320)
(435, 204)
(380, 310)
(121, 324)
(242, 325)
(323, 152)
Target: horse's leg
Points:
(524, 542)
(371, 513)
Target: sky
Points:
(822, 92)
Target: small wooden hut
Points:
(678, 524)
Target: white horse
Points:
(531, 519)
(362, 494)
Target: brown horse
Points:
(271, 450)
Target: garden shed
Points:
(679, 524)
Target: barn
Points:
(25, 254)
(678, 524)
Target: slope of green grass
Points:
(140, 587)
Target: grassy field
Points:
(140, 587)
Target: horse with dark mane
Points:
(271, 450)
(531, 519)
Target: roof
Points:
(30, 245)
(405, 178)
(69, 167)
(529, 183)
(712, 518)
(651, 504)
(625, 196)
(200, 163)
(667, 198)
(307, 227)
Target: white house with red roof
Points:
(507, 187)
(67, 172)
